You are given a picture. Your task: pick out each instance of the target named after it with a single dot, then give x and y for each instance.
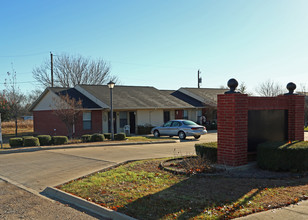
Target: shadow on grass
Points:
(205, 196)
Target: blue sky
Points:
(161, 43)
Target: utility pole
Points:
(199, 79)
(51, 68)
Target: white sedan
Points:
(181, 128)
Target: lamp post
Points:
(111, 85)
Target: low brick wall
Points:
(232, 122)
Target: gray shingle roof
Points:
(205, 95)
(135, 97)
(73, 93)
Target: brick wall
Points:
(232, 122)
(45, 122)
(232, 125)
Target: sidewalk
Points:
(298, 212)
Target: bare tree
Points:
(73, 70)
(14, 97)
(269, 88)
(242, 88)
(30, 99)
(68, 110)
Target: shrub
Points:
(16, 142)
(45, 140)
(207, 151)
(107, 135)
(283, 156)
(23, 137)
(144, 129)
(97, 137)
(31, 141)
(58, 140)
(120, 136)
(86, 138)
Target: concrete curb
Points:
(32, 149)
(84, 204)
(24, 188)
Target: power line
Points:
(23, 55)
(19, 82)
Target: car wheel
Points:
(197, 136)
(156, 133)
(182, 135)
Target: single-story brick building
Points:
(132, 105)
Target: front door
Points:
(166, 116)
(132, 122)
(179, 114)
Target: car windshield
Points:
(189, 123)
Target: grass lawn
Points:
(141, 190)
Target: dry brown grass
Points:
(24, 128)
(28, 124)
(141, 190)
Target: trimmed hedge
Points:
(31, 141)
(207, 151)
(16, 142)
(45, 140)
(120, 136)
(23, 137)
(107, 136)
(97, 137)
(282, 156)
(58, 140)
(86, 138)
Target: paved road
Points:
(34, 171)
(20, 204)
(37, 170)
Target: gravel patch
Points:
(16, 203)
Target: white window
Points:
(87, 121)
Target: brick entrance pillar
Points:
(232, 120)
(296, 115)
(232, 126)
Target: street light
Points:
(111, 85)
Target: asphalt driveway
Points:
(34, 171)
(39, 169)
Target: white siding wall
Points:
(46, 102)
(192, 115)
(152, 117)
(172, 114)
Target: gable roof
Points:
(74, 93)
(135, 97)
(48, 89)
(208, 96)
